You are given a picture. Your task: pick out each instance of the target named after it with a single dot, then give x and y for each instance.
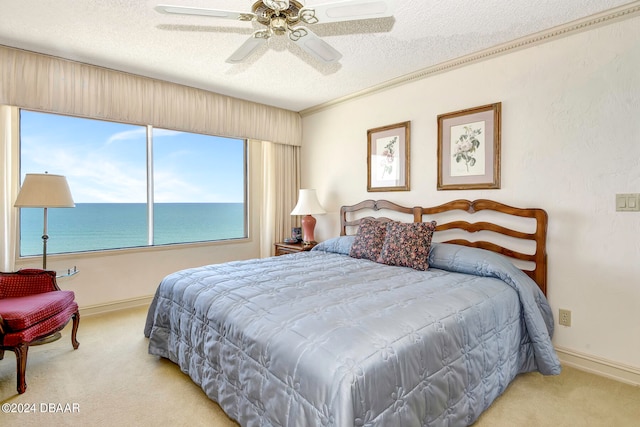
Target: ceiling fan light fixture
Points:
(278, 25)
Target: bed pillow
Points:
(407, 244)
(369, 239)
(338, 245)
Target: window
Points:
(133, 185)
(190, 167)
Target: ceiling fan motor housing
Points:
(265, 14)
(277, 4)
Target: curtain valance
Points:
(45, 83)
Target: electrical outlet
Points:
(629, 202)
(564, 317)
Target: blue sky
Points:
(105, 162)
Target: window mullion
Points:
(150, 185)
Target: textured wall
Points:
(570, 141)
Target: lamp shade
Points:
(43, 190)
(308, 204)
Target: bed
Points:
(413, 316)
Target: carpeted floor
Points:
(111, 380)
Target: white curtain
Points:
(280, 184)
(8, 186)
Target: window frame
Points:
(150, 184)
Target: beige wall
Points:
(570, 142)
(114, 278)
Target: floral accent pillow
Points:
(407, 244)
(369, 239)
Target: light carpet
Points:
(111, 380)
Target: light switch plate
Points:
(628, 202)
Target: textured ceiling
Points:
(128, 35)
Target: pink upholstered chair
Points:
(32, 307)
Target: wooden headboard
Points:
(350, 217)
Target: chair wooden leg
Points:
(1, 353)
(21, 362)
(74, 330)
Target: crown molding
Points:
(607, 17)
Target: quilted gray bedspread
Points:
(322, 339)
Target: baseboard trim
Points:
(599, 366)
(93, 310)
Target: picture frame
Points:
(296, 233)
(469, 148)
(388, 157)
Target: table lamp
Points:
(308, 205)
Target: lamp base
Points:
(308, 226)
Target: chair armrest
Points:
(27, 282)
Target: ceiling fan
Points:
(282, 17)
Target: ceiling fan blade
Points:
(314, 45)
(348, 10)
(247, 48)
(215, 13)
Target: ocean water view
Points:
(98, 226)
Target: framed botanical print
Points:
(388, 157)
(469, 148)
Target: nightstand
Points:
(291, 248)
